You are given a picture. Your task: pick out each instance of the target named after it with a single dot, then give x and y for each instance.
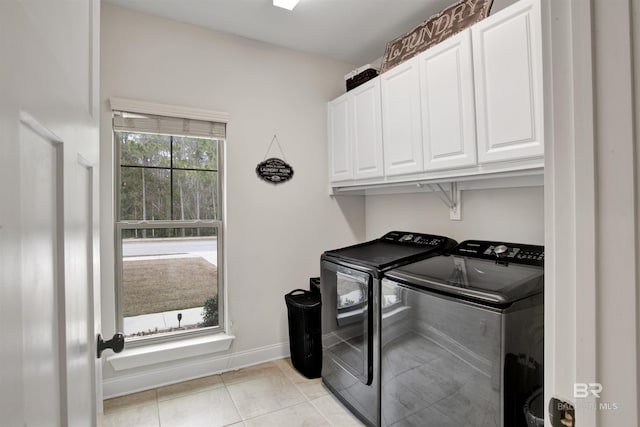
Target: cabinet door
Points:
(448, 105)
(401, 127)
(340, 162)
(366, 122)
(507, 56)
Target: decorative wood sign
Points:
(275, 171)
(450, 21)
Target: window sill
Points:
(169, 351)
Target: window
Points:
(168, 225)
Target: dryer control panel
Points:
(414, 238)
(501, 252)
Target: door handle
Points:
(116, 344)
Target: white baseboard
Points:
(140, 380)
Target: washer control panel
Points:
(403, 237)
(502, 251)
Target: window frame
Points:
(118, 104)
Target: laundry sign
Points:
(273, 169)
(439, 27)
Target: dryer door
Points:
(347, 319)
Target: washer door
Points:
(441, 361)
(347, 319)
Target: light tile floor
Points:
(270, 394)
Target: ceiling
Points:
(353, 31)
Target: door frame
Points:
(591, 205)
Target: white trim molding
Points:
(145, 107)
(169, 351)
(161, 375)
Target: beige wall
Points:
(510, 215)
(275, 234)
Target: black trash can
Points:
(305, 329)
(314, 285)
(534, 409)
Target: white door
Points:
(48, 215)
(448, 104)
(82, 294)
(42, 284)
(401, 127)
(507, 57)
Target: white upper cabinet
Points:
(340, 164)
(507, 56)
(401, 121)
(448, 107)
(469, 106)
(367, 130)
(355, 134)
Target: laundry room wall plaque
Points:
(450, 21)
(273, 169)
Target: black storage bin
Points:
(305, 328)
(361, 78)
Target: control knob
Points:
(500, 251)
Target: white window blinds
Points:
(146, 123)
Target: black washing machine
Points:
(464, 344)
(354, 303)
